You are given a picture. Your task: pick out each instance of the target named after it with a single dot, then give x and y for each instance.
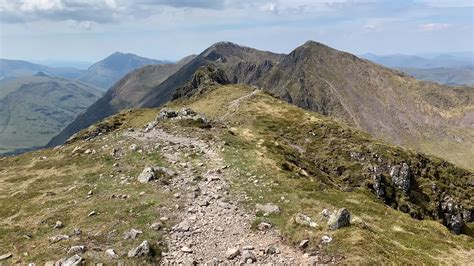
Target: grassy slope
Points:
(34, 109)
(260, 135)
(26, 179)
(264, 136)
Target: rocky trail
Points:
(211, 226)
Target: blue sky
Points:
(88, 30)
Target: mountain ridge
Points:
(383, 102)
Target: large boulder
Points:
(339, 219)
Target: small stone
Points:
(186, 249)
(232, 253)
(247, 248)
(182, 227)
(156, 226)
(147, 175)
(111, 253)
(58, 238)
(132, 234)
(133, 147)
(58, 225)
(164, 218)
(5, 256)
(76, 250)
(326, 239)
(203, 203)
(304, 243)
(141, 251)
(76, 231)
(142, 193)
(268, 208)
(89, 193)
(92, 213)
(302, 219)
(264, 226)
(272, 250)
(49, 263)
(72, 261)
(325, 213)
(88, 151)
(248, 256)
(177, 195)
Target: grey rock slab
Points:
(132, 234)
(142, 250)
(268, 208)
(339, 219)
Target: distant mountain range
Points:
(385, 103)
(17, 68)
(451, 69)
(35, 108)
(106, 72)
(456, 60)
(102, 74)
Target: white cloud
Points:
(434, 26)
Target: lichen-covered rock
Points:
(339, 219)
(166, 113)
(142, 250)
(378, 182)
(147, 175)
(302, 219)
(455, 223)
(268, 208)
(401, 175)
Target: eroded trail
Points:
(209, 219)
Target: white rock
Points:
(232, 253)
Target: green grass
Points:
(302, 163)
(26, 179)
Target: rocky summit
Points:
(230, 174)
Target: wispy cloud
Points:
(434, 26)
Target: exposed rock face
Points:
(401, 177)
(339, 219)
(398, 185)
(202, 80)
(186, 115)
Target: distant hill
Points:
(443, 75)
(425, 61)
(35, 108)
(106, 72)
(126, 93)
(19, 68)
(450, 69)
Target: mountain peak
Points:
(41, 74)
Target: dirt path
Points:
(209, 219)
